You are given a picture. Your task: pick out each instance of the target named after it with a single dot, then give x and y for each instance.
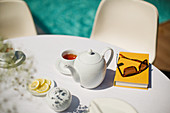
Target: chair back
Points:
(129, 24)
(15, 19)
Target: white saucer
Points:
(42, 94)
(17, 60)
(60, 67)
(110, 105)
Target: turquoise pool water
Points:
(163, 7)
(76, 17)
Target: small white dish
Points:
(107, 105)
(42, 94)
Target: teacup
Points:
(6, 52)
(67, 57)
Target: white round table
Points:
(45, 49)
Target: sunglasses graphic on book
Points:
(132, 70)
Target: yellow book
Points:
(132, 70)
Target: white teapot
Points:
(90, 67)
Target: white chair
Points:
(15, 19)
(129, 24)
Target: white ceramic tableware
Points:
(59, 99)
(90, 67)
(61, 62)
(110, 105)
(33, 92)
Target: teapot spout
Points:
(74, 73)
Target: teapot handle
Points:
(111, 55)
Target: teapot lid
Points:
(90, 57)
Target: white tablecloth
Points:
(44, 51)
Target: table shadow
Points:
(110, 75)
(74, 105)
(55, 84)
(108, 80)
(150, 76)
